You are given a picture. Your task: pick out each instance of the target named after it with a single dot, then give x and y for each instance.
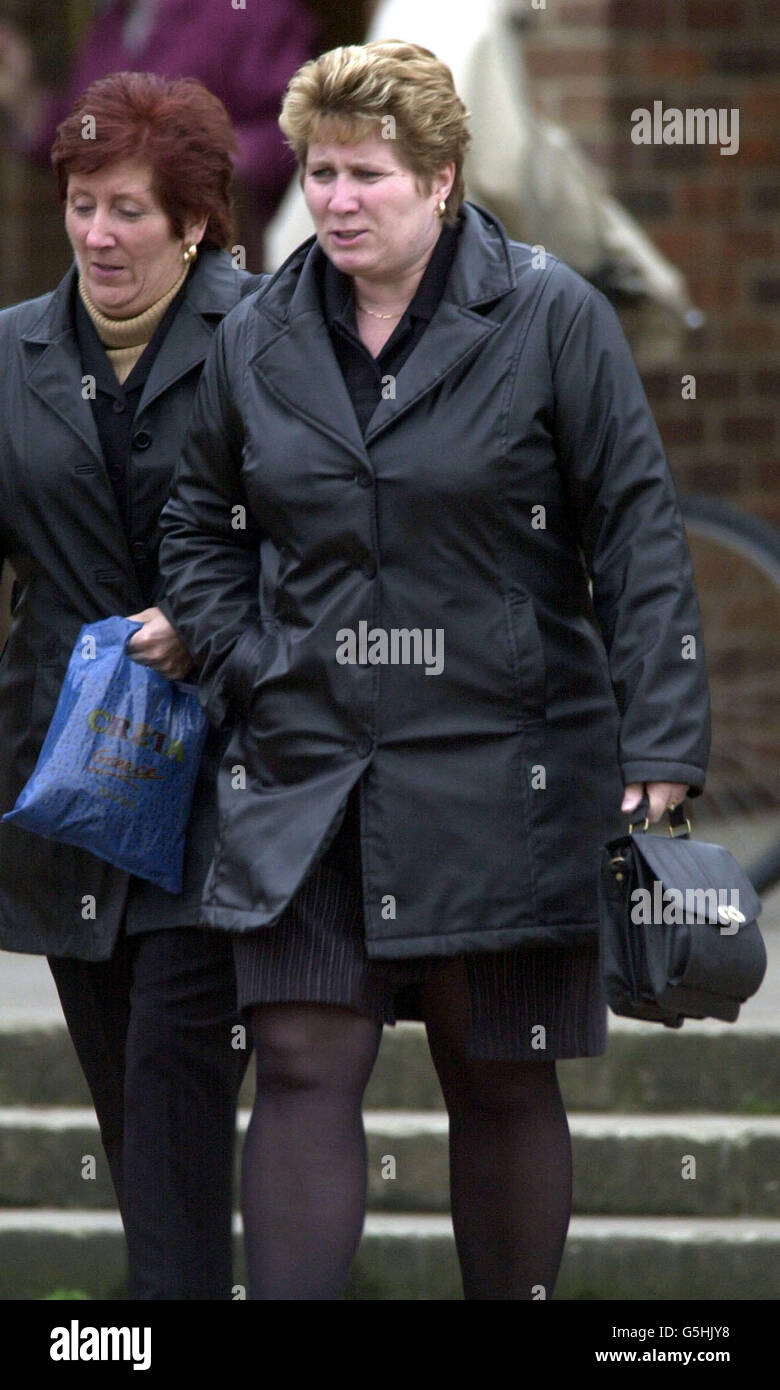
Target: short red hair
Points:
(177, 127)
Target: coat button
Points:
(363, 478)
(364, 745)
(141, 439)
(369, 568)
(118, 407)
(138, 550)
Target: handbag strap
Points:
(679, 824)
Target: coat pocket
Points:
(527, 657)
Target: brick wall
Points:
(714, 215)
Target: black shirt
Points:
(363, 373)
(115, 404)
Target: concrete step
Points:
(412, 1257)
(623, 1164)
(703, 1067)
(707, 1068)
(685, 1165)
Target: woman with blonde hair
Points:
(439, 437)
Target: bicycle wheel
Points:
(736, 560)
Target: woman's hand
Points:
(157, 645)
(662, 796)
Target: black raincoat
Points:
(61, 528)
(428, 625)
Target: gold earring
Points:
(442, 208)
(190, 253)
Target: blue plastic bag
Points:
(117, 769)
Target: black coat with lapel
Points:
(514, 460)
(61, 529)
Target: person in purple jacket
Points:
(245, 53)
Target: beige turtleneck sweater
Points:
(125, 339)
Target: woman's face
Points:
(370, 216)
(122, 238)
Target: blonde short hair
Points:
(385, 86)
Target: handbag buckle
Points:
(679, 825)
(615, 864)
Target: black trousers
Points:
(153, 1028)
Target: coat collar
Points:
(54, 370)
(214, 291)
(482, 273)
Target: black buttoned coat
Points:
(61, 529)
(513, 463)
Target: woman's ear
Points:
(444, 181)
(196, 231)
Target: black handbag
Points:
(678, 929)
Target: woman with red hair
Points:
(99, 381)
(244, 54)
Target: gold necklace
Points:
(375, 315)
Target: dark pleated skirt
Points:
(315, 953)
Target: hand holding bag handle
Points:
(679, 824)
(663, 796)
(117, 770)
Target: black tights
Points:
(304, 1167)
